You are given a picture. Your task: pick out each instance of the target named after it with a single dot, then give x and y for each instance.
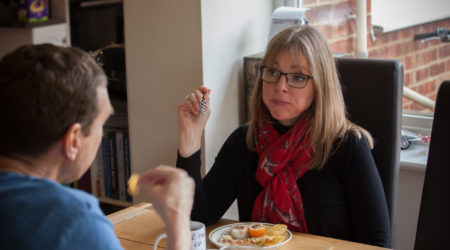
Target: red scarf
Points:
(281, 163)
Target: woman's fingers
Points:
(191, 121)
(193, 100)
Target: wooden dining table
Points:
(138, 226)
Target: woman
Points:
(299, 161)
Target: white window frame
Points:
(398, 14)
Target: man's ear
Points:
(72, 141)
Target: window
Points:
(398, 14)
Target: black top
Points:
(343, 200)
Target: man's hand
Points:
(171, 191)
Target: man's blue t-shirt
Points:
(37, 213)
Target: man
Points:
(53, 104)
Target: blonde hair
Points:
(329, 124)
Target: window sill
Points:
(415, 157)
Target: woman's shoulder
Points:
(351, 143)
(239, 132)
(353, 148)
(237, 138)
(242, 129)
(349, 153)
(353, 138)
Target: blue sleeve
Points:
(92, 231)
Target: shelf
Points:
(51, 21)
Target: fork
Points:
(203, 106)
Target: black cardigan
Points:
(343, 200)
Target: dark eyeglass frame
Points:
(287, 76)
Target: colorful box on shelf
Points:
(31, 11)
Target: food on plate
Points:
(278, 229)
(133, 188)
(267, 240)
(271, 235)
(239, 232)
(256, 230)
(227, 240)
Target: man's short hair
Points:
(44, 89)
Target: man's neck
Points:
(37, 167)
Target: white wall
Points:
(231, 30)
(171, 48)
(163, 63)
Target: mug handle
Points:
(160, 237)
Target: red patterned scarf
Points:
(281, 163)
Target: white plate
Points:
(217, 233)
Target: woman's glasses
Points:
(294, 80)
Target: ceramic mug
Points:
(198, 236)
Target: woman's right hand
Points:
(191, 121)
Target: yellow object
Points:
(133, 188)
(37, 6)
(266, 240)
(30, 11)
(277, 229)
(256, 230)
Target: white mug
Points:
(198, 236)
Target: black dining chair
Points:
(433, 227)
(373, 91)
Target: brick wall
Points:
(426, 65)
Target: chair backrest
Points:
(373, 95)
(433, 228)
